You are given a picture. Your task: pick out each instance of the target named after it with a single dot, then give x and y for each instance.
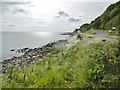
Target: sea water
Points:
(17, 40)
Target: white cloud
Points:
(15, 0)
(66, 16)
(15, 7)
(20, 10)
(88, 0)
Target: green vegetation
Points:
(105, 72)
(85, 65)
(109, 19)
(113, 36)
(79, 37)
(91, 31)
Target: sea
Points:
(23, 24)
(18, 40)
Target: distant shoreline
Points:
(67, 33)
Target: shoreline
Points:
(32, 56)
(35, 55)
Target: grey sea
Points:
(17, 40)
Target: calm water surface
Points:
(17, 40)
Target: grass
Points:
(113, 36)
(91, 31)
(106, 31)
(85, 65)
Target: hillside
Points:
(89, 64)
(110, 18)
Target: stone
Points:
(12, 50)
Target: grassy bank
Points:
(113, 36)
(94, 31)
(85, 65)
(91, 31)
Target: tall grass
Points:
(81, 66)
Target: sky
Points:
(49, 15)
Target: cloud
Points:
(57, 16)
(73, 19)
(14, 7)
(19, 10)
(40, 22)
(62, 14)
(12, 25)
(15, 3)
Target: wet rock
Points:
(12, 50)
(22, 50)
(104, 40)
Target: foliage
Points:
(91, 31)
(79, 37)
(76, 30)
(110, 18)
(113, 36)
(84, 27)
(56, 70)
(82, 66)
(105, 72)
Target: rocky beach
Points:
(31, 56)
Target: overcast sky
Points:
(49, 15)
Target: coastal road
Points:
(98, 36)
(101, 35)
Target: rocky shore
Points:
(31, 56)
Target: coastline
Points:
(32, 56)
(35, 55)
